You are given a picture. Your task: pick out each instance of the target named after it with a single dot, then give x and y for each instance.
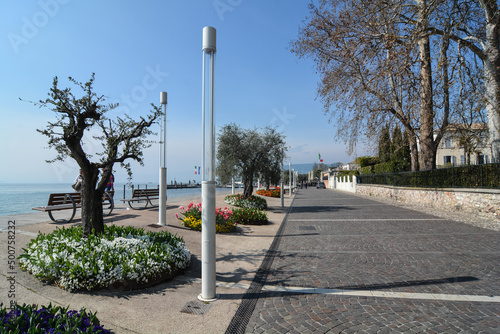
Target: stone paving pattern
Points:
(336, 240)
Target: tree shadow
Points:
(317, 208)
(402, 284)
(253, 294)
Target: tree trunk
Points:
(427, 155)
(492, 83)
(92, 214)
(247, 192)
(413, 152)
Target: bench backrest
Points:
(146, 192)
(62, 198)
(58, 199)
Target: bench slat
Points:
(62, 201)
(139, 195)
(55, 207)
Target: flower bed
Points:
(120, 257)
(250, 216)
(192, 218)
(269, 193)
(48, 319)
(253, 202)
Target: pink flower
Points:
(177, 215)
(181, 207)
(190, 205)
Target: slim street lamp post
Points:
(282, 177)
(208, 165)
(290, 179)
(162, 215)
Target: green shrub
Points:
(249, 216)
(385, 167)
(254, 202)
(366, 170)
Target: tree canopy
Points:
(250, 153)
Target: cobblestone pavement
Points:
(348, 264)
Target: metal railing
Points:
(473, 176)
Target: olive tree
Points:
(122, 138)
(249, 153)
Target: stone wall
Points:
(481, 202)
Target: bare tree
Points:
(376, 67)
(477, 28)
(121, 139)
(385, 63)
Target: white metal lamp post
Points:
(208, 166)
(290, 179)
(162, 216)
(281, 179)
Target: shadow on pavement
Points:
(316, 209)
(446, 280)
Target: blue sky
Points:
(139, 48)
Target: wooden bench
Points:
(73, 201)
(142, 196)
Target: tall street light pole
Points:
(208, 165)
(282, 172)
(162, 216)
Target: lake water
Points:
(18, 198)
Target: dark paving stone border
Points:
(244, 312)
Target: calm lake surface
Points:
(18, 198)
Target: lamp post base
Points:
(209, 300)
(162, 212)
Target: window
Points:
(483, 159)
(462, 160)
(450, 159)
(447, 143)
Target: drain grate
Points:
(307, 228)
(196, 307)
(155, 225)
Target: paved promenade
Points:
(328, 262)
(169, 307)
(347, 264)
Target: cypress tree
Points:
(384, 145)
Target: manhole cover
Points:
(155, 225)
(196, 307)
(307, 228)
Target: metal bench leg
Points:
(137, 206)
(110, 202)
(64, 220)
